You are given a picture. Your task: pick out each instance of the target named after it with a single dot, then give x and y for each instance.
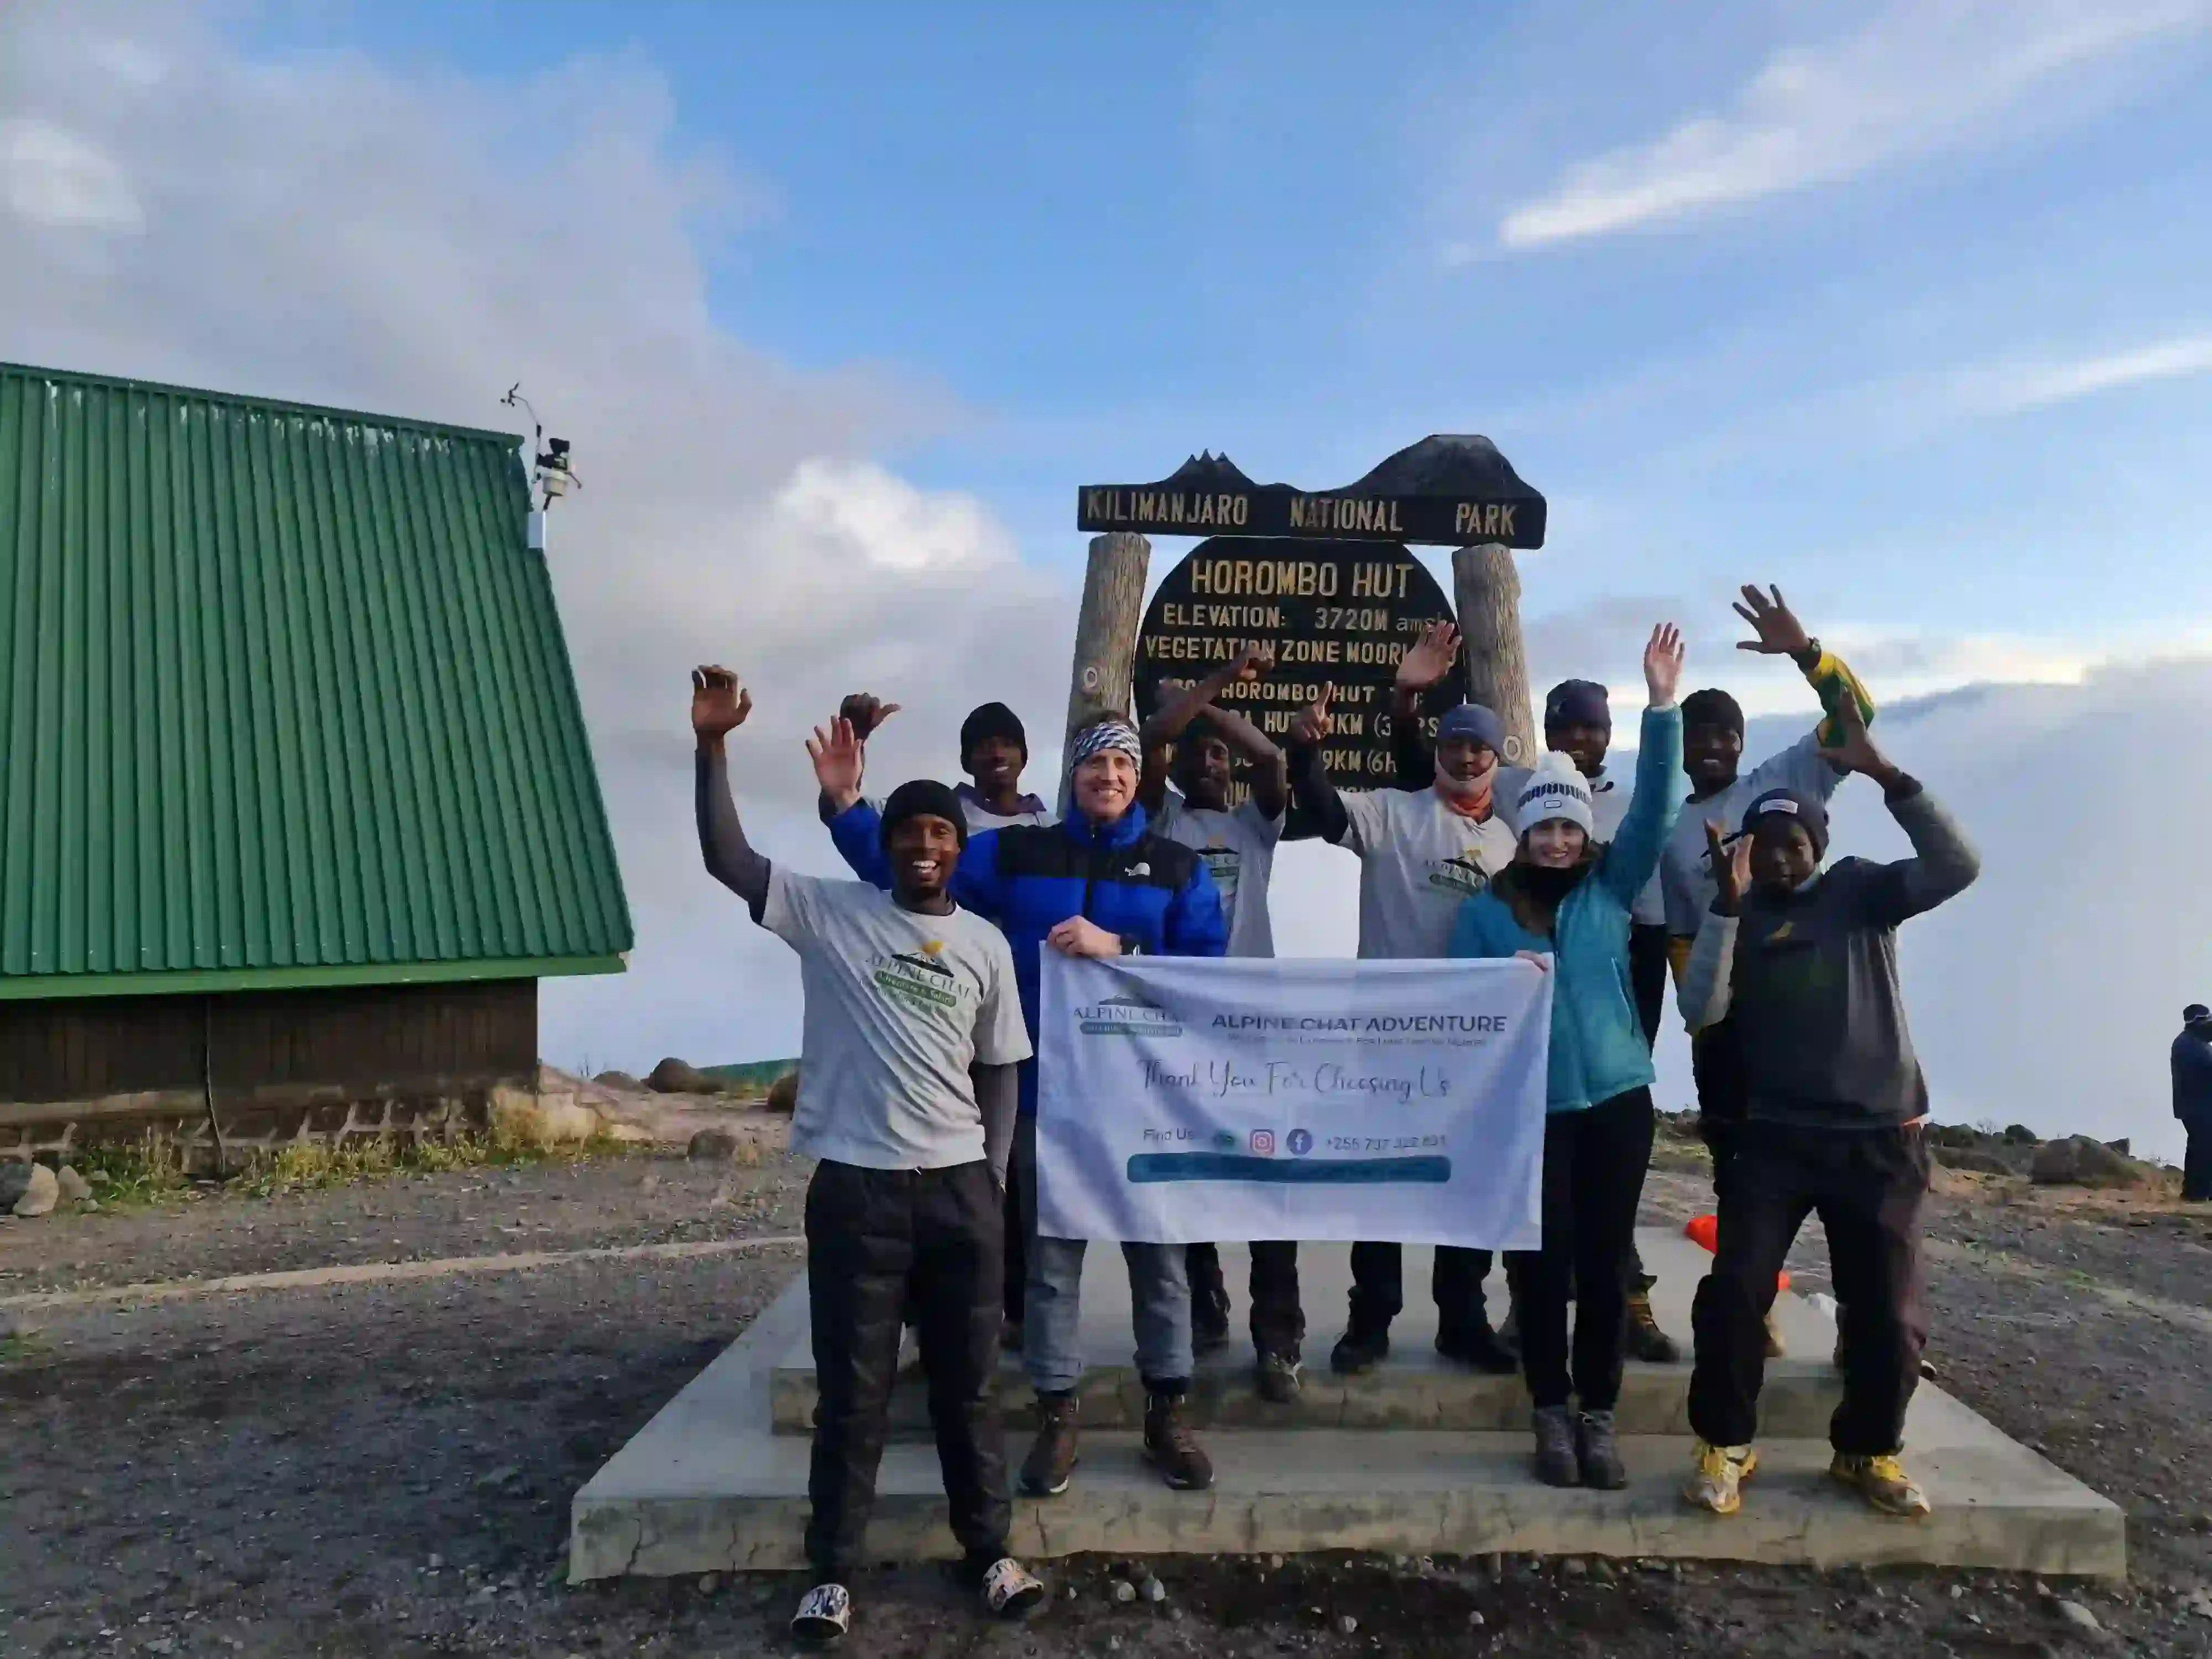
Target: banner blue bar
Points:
(1149, 1167)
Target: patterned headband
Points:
(1108, 734)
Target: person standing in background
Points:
(1200, 744)
(2191, 1061)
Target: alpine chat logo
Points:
(1126, 1017)
(1263, 1143)
(1300, 1142)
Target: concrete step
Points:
(708, 1486)
(1413, 1389)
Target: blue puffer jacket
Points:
(1597, 1041)
(1029, 878)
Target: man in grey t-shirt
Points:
(908, 1092)
(1199, 744)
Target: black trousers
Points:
(1378, 1286)
(1647, 976)
(2196, 1161)
(1868, 1187)
(1594, 1165)
(1279, 1321)
(877, 1240)
(1017, 1236)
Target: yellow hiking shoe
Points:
(1883, 1483)
(1717, 1481)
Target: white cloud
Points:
(1920, 78)
(2018, 387)
(55, 178)
(328, 229)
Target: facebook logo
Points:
(1301, 1142)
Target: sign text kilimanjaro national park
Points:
(1443, 491)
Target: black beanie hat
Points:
(1808, 809)
(1712, 706)
(992, 719)
(923, 798)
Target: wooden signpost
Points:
(1324, 577)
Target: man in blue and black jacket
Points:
(1097, 884)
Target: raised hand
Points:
(1780, 634)
(835, 751)
(1731, 865)
(1256, 662)
(720, 702)
(1856, 752)
(1662, 664)
(1314, 723)
(866, 711)
(1430, 658)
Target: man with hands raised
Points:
(907, 1096)
(1099, 883)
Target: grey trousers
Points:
(1159, 1298)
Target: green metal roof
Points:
(284, 700)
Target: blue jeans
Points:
(1159, 1299)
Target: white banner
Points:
(1182, 1100)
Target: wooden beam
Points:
(1488, 595)
(1106, 633)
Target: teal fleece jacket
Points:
(1597, 1041)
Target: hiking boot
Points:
(1716, 1481)
(1478, 1346)
(1775, 1348)
(1646, 1341)
(1207, 1337)
(1556, 1464)
(1883, 1483)
(1171, 1448)
(1052, 1458)
(1010, 1590)
(1277, 1378)
(825, 1613)
(1597, 1453)
(1361, 1348)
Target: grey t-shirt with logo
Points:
(899, 1005)
(1418, 862)
(1239, 850)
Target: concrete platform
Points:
(1414, 1388)
(709, 1485)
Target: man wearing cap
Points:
(2192, 1100)
(1422, 852)
(1803, 961)
(907, 1097)
(1097, 884)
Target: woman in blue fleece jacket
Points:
(1097, 884)
(1564, 903)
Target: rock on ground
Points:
(41, 1192)
(716, 1145)
(14, 1181)
(783, 1093)
(621, 1080)
(677, 1077)
(2078, 1161)
(74, 1188)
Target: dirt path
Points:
(383, 1468)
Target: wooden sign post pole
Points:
(1488, 595)
(1106, 632)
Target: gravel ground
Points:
(385, 1469)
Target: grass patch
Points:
(136, 1175)
(19, 1346)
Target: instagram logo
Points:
(1263, 1142)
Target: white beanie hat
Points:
(1554, 790)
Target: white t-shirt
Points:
(1418, 862)
(1685, 873)
(981, 818)
(1239, 850)
(899, 1005)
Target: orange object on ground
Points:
(1705, 1232)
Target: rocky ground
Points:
(383, 1468)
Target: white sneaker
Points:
(1011, 1591)
(825, 1613)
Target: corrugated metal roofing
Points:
(284, 700)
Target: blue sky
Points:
(1111, 235)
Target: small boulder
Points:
(712, 1146)
(2121, 1146)
(14, 1181)
(2019, 1134)
(1974, 1159)
(620, 1080)
(783, 1093)
(74, 1188)
(41, 1194)
(2078, 1161)
(677, 1077)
